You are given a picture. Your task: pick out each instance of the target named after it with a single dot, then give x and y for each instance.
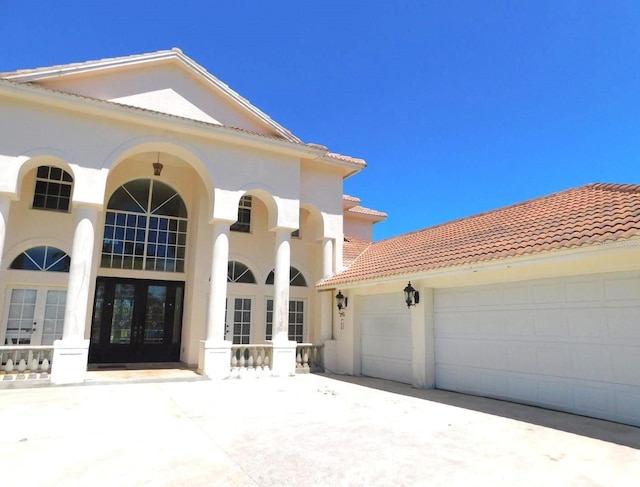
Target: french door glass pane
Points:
(122, 313)
(154, 318)
(53, 316)
(22, 308)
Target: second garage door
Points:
(571, 344)
(386, 337)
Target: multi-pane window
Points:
(45, 258)
(53, 189)
(241, 320)
(296, 320)
(145, 228)
(295, 278)
(244, 216)
(238, 272)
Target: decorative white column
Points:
(284, 351)
(70, 355)
(5, 204)
(327, 257)
(214, 359)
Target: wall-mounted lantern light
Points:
(157, 166)
(341, 302)
(411, 296)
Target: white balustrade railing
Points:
(251, 359)
(19, 362)
(309, 357)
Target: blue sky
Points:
(458, 107)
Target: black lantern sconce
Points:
(411, 296)
(341, 302)
(157, 166)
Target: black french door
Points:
(136, 320)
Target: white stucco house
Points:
(149, 213)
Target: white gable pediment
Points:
(166, 81)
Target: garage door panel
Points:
(567, 343)
(390, 347)
(624, 323)
(386, 368)
(625, 366)
(587, 323)
(550, 323)
(622, 289)
(385, 338)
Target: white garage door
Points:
(386, 337)
(571, 344)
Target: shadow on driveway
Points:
(608, 431)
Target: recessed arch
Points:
(188, 154)
(31, 161)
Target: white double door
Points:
(33, 315)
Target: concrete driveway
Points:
(303, 430)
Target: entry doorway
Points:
(34, 315)
(136, 320)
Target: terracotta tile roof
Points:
(346, 197)
(579, 217)
(355, 160)
(352, 249)
(361, 210)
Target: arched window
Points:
(47, 259)
(295, 278)
(53, 189)
(238, 272)
(145, 228)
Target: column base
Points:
(214, 359)
(284, 358)
(70, 358)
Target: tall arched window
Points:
(145, 228)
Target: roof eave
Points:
(119, 111)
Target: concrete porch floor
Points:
(304, 430)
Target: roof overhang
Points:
(115, 111)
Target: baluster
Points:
(305, 358)
(9, 365)
(250, 362)
(259, 355)
(45, 365)
(22, 365)
(266, 359)
(242, 359)
(234, 360)
(298, 359)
